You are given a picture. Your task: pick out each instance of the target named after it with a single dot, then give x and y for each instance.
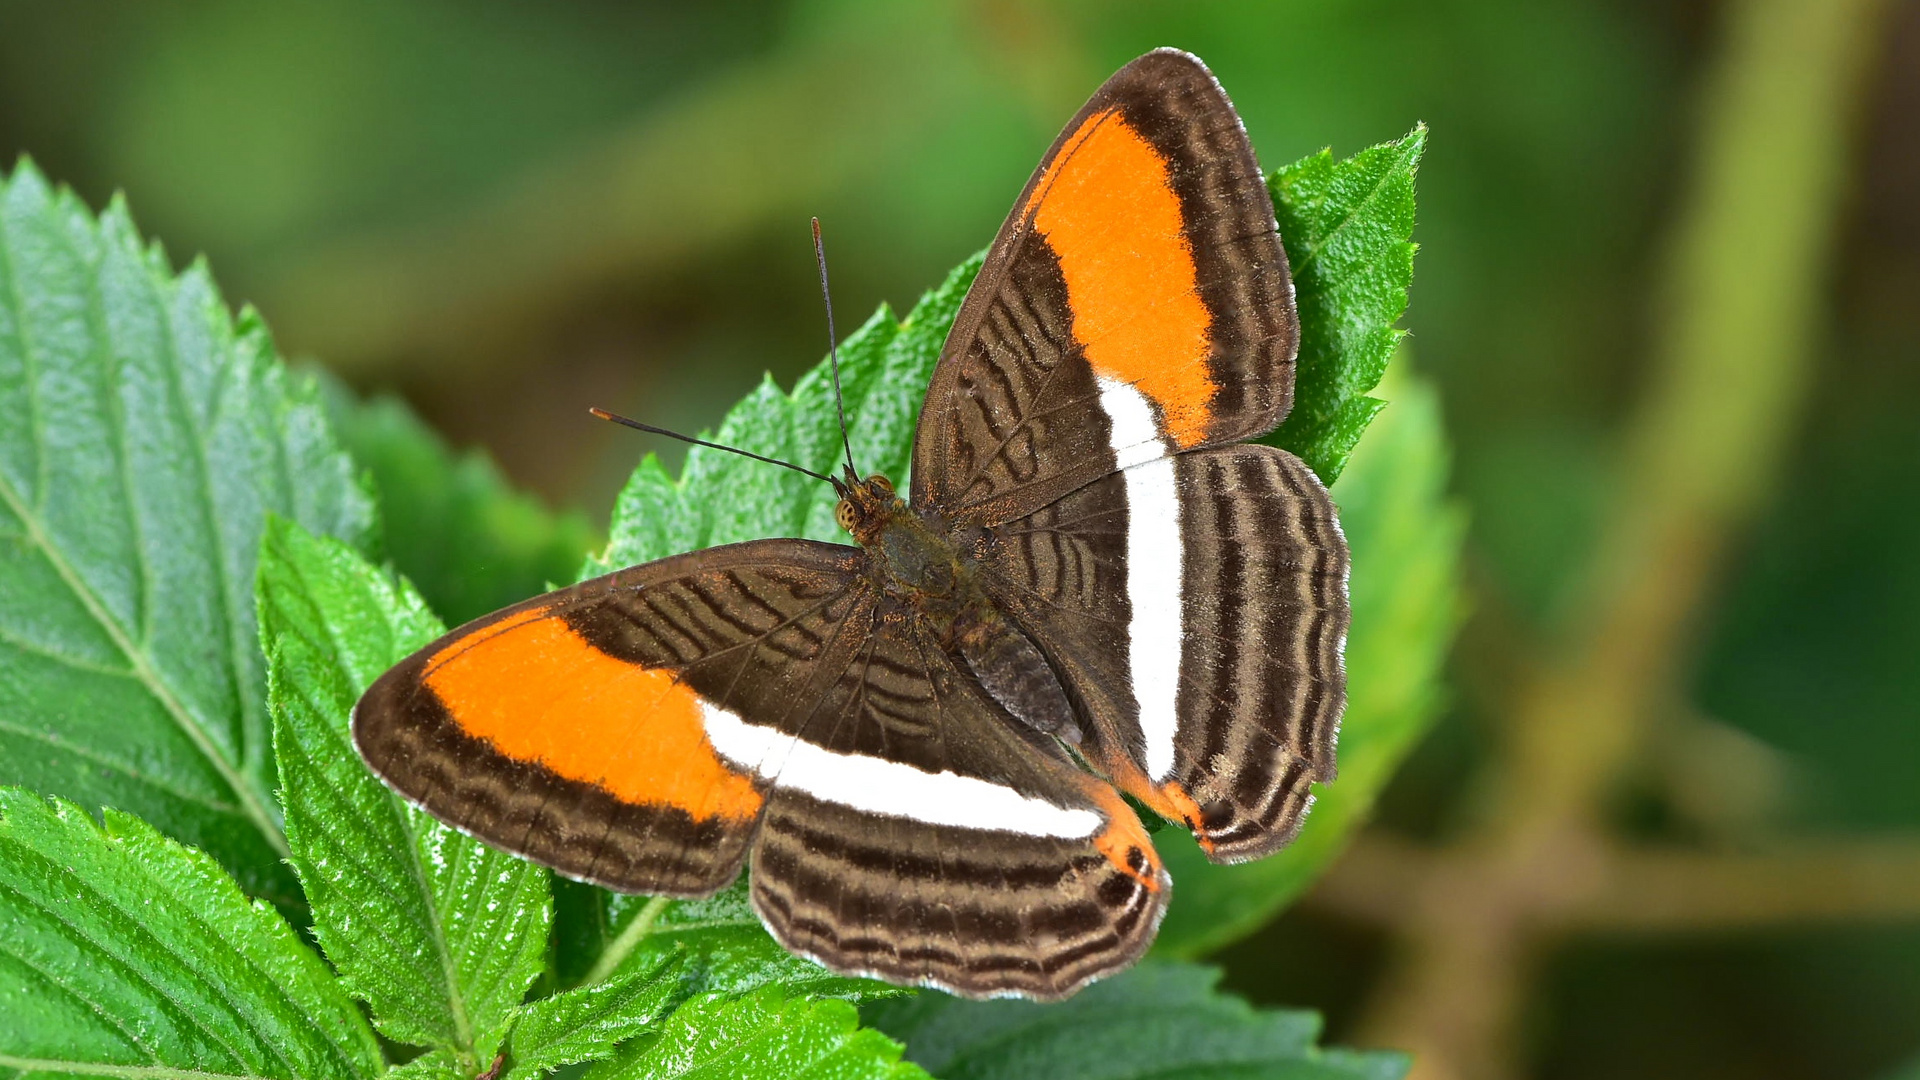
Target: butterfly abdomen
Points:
(1012, 670)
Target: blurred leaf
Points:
(454, 526)
(1348, 228)
(1157, 1020)
(144, 437)
(767, 1035)
(1406, 604)
(731, 952)
(1909, 1071)
(587, 1023)
(438, 932)
(125, 954)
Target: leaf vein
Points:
(144, 671)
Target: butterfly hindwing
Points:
(579, 728)
(1136, 303)
(915, 834)
(1197, 608)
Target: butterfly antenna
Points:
(833, 348)
(627, 421)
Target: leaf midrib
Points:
(249, 803)
(237, 644)
(117, 766)
(1386, 177)
(436, 928)
(127, 1072)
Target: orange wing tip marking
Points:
(538, 692)
(1186, 811)
(1170, 800)
(1107, 207)
(1125, 844)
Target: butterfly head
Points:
(866, 506)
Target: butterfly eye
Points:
(881, 482)
(844, 515)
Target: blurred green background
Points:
(506, 212)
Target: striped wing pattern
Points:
(578, 744)
(957, 885)
(1014, 415)
(1262, 618)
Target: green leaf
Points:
(1347, 226)
(1157, 1020)
(730, 950)
(767, 1035)
(1406, 538)
(144, 437)
(454, 526)
(587, 1023)
(124, 953)
(432, 1065)
(438, 932)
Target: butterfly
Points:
(1093, 589)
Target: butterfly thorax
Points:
(927, 569)
(913, 557)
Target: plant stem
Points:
(620, 947)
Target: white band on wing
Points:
(1154, 564)
(878, 786)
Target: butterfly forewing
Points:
(577, 728)
(1135, 303)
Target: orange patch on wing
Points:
(1170, 800)
(1185, 811)
(1125, 843)
(1108, 209)
(539, 692)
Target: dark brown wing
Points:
(576, 728)
(1197, 609)
(915, 834)
(1135, 303)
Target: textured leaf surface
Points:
(1157, 1020)
(124, 953)
(432, 1065)
(144, 437)
(465, 538)
(438, 932)
(730, 951)
(767, 1035)
(587, 1023)
(1348, 228)
(1405, 586)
